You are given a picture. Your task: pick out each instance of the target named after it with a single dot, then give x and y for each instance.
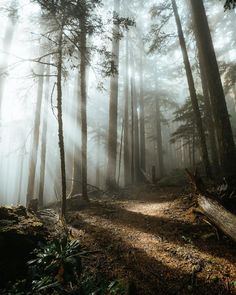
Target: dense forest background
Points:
(123, 87)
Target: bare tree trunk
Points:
(98, 158)
(142, 122)
(113, 112)
(136, 150)
(132, 136)
(83, 52)
(76, 185)
(22, 157)
(159, 139)
(126, 118)
(60, 123)
(120, 154)
(221, 117)
(44, 139)
(192, 91)
(35, 143)
(210, 121)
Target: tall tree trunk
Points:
(126, 118)
(98, 158)
(35, 143)
(159, 139)
(44, 139)
(83, 90)
(136, 151)
(113, 106)
(221, 117)
(132, 136)
(7, 41)
(22, 157)
(60, 122)
(192, 91)
(142, 121)
(76, 185)
(210, 121)
(120, 153)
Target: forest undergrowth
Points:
(153, 241)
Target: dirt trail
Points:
(152, 240)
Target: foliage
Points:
(56, 268)
(185, 116)
(230, 4)
(57, 264)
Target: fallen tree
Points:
(210, 205)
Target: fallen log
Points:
(218, 215)
(212, 208)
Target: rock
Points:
(20, 232)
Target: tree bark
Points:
(60, 122)
(76, 173)
(159, 139)
(83, 52)
(44, 140)
(142, 121)
(210, 121)
(113, 111)
(221, 117)
(126, 118)
(192, 92)
(35, 143)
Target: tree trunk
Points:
(35, 143)
(210, 121)
(44, 139)
(221, 117)
(76, 173)
(98, 158)
(142, 121)
(192, 91)
(83, 90)
(132, 136)
(120, 153)
(60, 123)
(159, 139)
(136, 151)
(22, 157)
(113, 112)
(126, 118)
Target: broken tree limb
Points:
(146, 177)
(212, 209)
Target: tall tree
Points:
(60, 118)
(126, 117)
(113, 112)
(44, 138)
(76, 173)
(221, 117)
(83, 54)
(142, 121)
(159, 138)
(192, 91)
(35, 142)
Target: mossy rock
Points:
(20, 233)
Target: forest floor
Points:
(152, 239)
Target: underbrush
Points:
(57, 269)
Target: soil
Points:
(153, 241)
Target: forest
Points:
(117, 147)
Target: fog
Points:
(154, 73)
